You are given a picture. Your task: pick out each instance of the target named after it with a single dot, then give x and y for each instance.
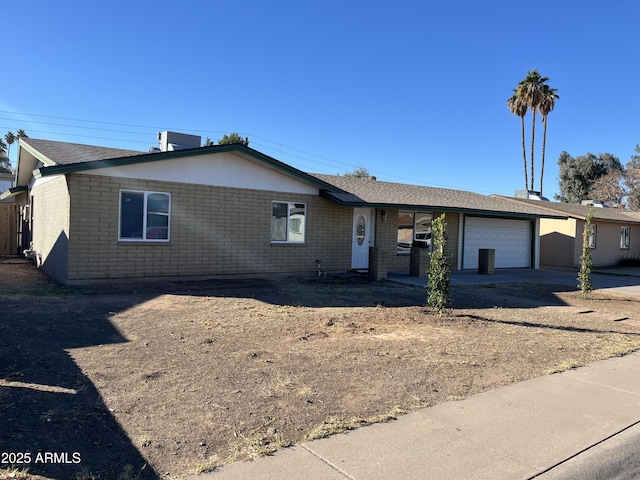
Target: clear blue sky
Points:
(413, 90)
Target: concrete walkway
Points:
(526, 430)
(538, 428)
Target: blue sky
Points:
(413, 90)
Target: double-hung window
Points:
(144, 216)
(624, 238)
(288, 222)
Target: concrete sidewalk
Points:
(521, 431)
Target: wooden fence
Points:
(8, 228)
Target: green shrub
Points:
(586, 264)
(438, 285)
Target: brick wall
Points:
(214, 231)
(51, 226)
(453, 236)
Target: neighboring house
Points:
(6, 181)
(96, 214)
(615, 234)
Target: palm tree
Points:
(519, 108)
(547, 103)
(21, 134)
(529, 91)
(9, 138)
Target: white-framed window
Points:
(593, 233)
(624, 238)
(288, 222)
(144, 216)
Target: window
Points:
(592, 235)
(288, 222)
(144, 216)
(414, 228)
(624, 238)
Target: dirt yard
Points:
(161, 381)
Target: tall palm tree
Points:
(529, 90)
(547, 103)
(21, 134)
(9, 138)
(518, 107)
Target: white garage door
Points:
(511, 240)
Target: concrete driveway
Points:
(621, 280)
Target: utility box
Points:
(487, 261)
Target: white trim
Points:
(146, 194)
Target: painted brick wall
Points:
(214, 231)
(51, 226)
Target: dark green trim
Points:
(191, 152)
(12, 192)
(466, 211)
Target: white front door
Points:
(363, 235)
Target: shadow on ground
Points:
(51, 415)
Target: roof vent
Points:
(170, 141)
(530, 195)
(594, 203)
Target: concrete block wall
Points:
(51, 226)
(214, 231)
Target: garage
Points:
(511, 240)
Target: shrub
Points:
(586, 264)
(438, 291)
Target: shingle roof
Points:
(379, 193)
(64, 153)
(579, 211)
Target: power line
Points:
(334, 163)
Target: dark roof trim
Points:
(357, 203)
(159, 156)
(12, 192)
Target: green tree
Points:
(438, 284)
(9, 138)
(532, 94)
(233, 138)
(21, 134)
(586, 264)
(518, 107)
(545, 107)
(578, 175)
(5, 164)
(359, 172)
(632, 181)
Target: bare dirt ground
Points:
(160, 381)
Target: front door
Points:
(363, 234)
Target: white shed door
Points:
(511, 240)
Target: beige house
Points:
(95, 214)
(615, 234)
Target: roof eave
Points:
(12, 192)
(159, 156)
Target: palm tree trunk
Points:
(533, 136)
(524, 157)
(544, 146)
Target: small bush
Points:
(438, 284)
(586, 264)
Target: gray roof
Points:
(399, 195)
(64, 153)
(579, 211)
(63, 157)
